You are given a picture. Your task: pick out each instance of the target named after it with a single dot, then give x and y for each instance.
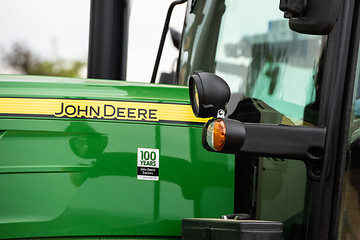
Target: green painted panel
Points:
(78, 177)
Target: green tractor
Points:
(256, 137)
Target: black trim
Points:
(163, 37)
(108, 39)
(180, 122)
(321, 205)
(245, 188)
(178, 64)
(347, 109)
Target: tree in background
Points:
(24, 61)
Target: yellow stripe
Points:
(92, 109)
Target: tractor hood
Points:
(59, 87)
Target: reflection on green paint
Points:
(78, 177)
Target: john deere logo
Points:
(107, 111)
(173, 113)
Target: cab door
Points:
(277, 76)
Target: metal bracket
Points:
(221, 113)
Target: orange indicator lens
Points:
(216, 134)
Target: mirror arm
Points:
(275, 141)
(289, 142)
(295, 142)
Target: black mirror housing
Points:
(316, 17)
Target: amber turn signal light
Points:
(216, 133)
(223, 135)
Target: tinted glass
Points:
(249, 44)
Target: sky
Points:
(60, 28)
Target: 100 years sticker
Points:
(148, 164)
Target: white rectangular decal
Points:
(148, 164)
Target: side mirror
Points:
(316, 17)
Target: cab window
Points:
(268, 67)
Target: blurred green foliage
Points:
(24, 61)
